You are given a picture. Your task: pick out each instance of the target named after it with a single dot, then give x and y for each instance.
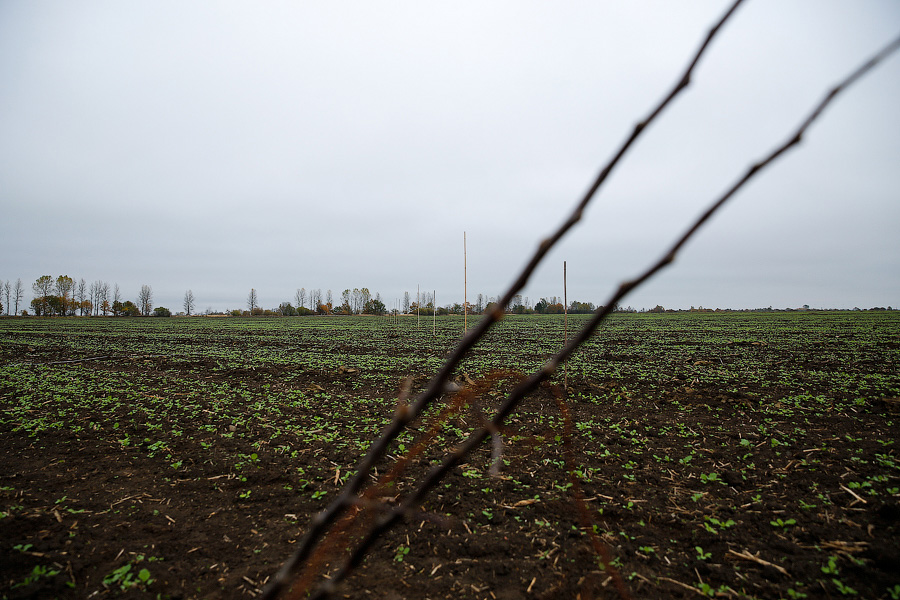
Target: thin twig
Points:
(414, 499)
(322, 521)
(747, 556)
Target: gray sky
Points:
(220, 146)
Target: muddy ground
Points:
(814, 514)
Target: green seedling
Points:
(711, 478)
(783, 524)
(846, 590)
(401, 553)
(124, 579)
(831, 568)
(36, 573)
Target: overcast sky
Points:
(223, 146)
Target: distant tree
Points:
(161, 311)
(374, 306)
(300, 298)
(188, 302)
(551, 307)
(285, 309)
(42, 288)
(18, 293)
(346, 307)
(252, 300)
(316, 301)
(582, 307)
(96, 292)
(117, 300)
(105, 305)
(406, 303)
(129, 309)
(479, 304)
(7, 293)
(93, 293)
(358, 299)
(145, 300)
(81, 296)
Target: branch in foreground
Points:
(414, 499)
(322, 521)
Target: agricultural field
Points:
(734, 455)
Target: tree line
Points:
(64, 296)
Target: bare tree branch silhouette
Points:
(384, 520)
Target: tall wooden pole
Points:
(434, 313)
(566, 328)
(465, 288)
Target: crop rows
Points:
(740, 454)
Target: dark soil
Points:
(82, 505)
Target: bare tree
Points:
(145, 300)
(117, 300)
(300, 298)
(18, 293)
(315, 298)
(329, 299)
(93, 291)
(96, 294)
(7, 292)
(188, 302)
(81, 295)
(252, 301)
(406, 303)
(104, 298)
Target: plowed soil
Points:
(682, 485)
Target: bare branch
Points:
(321, 522)
(414, 499)
(349, 497)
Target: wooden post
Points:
(465, 289)
(434, 313)
(566, 329)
